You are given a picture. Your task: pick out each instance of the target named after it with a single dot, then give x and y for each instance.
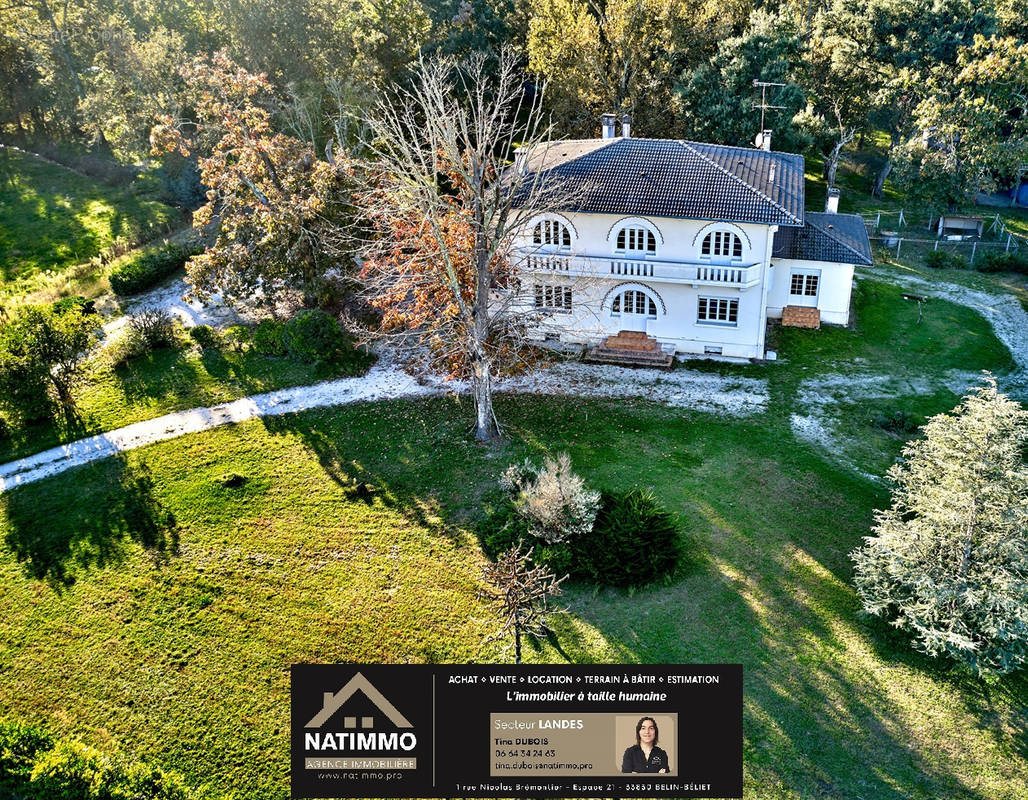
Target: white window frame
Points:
(719, 235)
(553, 298)
(704, 305)
(805, 275)
(547, 223)
(651, 302)
(650, 233)
(632, 234)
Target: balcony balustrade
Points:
(697, 273)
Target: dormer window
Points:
(636, 240)
(551, 233)
(721, 245)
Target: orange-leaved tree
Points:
(446, 213)
(280, 211)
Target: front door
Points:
(633, 309)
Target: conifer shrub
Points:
(313, 335)
(35, 766)
(948, 561)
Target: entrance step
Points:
(630, 349)
(801, 317)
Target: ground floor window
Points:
(634, 302)
(804, 284)
(718, 310)
(553, 298)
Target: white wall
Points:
(676, 322)
(834, 289)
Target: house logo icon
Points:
(358, 683)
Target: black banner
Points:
(516, 731)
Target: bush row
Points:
(35, 766)
(146, 269)
(633, 541)
(989, 261)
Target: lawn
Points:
(161, 381)
(173, 642)
(53, 220)
(154, 602)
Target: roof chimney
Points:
(608, 122)
(520, 157)
(832, 201)
(626, 126)
(763, 140)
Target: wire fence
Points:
(915, 235)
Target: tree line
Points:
(940, 84)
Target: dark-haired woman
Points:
(644, 755)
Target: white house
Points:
(665, 246)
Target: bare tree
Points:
(521, 595)
(446, 212)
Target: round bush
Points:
(313, 336)
(634, 541)
(269, 338)
(205, 336)
(940, 259)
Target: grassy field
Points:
(153, 606)
(164, 380)
(174, 641)
(54, 220)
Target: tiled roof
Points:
(841, 238)
(671, 178)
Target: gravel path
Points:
(386, 381)
(819, 397)
(681, 388)
(169, 298)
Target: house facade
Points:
(692, 245)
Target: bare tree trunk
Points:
(485, 419)
(879, 186)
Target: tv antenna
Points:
(763, 86)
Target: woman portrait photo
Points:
(644, 755)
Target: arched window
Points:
(721, 244)
(636, 240)
(634, 301)
(551, 233)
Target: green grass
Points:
(164, 380)
(176, 645)
(890, 336)
(53, 220)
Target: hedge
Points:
(146, 269)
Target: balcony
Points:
(697, 273)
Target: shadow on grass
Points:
(157, 374)
(56, 539)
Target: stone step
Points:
(624, 359)
(801, 317)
